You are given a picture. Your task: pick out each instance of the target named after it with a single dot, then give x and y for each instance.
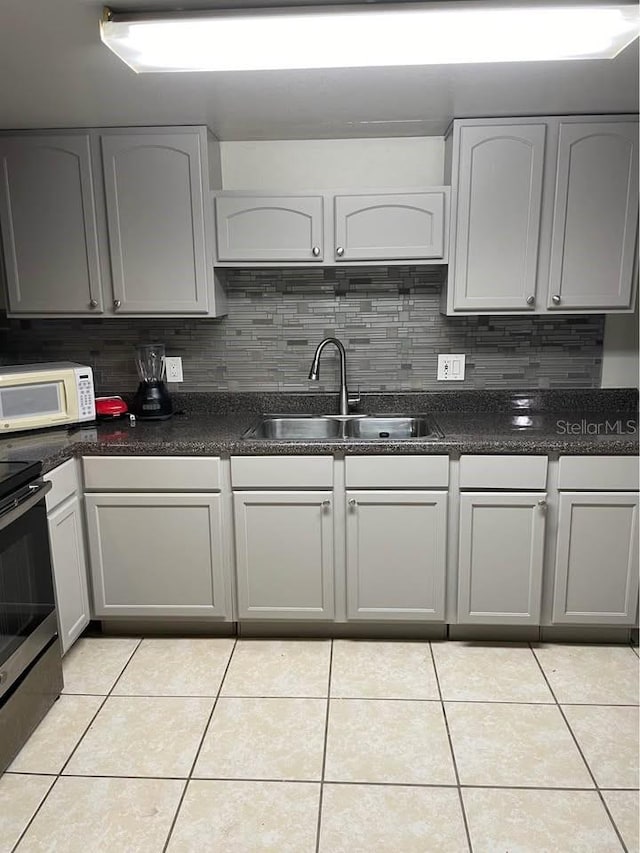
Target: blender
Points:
(152, 400)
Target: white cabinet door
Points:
(157, 225)
(156, 554)
(48, 224)
(497, 221)
(596, 579)
(389, 226)
(66, 537)
(595, 216)
(500, 557)
(269, 228)
(284, 555)
(396, 555)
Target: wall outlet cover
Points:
(173, 368)
(451, 367)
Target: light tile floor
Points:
(327, 746)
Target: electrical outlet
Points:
(173, 368)
(451, 367)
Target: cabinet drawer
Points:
(282, 472)
(598, 472)
(64, 483)
(503, 472)
(411, 472)
(155, 473)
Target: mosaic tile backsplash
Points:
(387, 317)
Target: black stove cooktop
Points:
(13, 475)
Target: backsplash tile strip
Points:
(388, 318)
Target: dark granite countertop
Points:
(553, 422)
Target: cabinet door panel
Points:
(49, 231)
(596, 578)
(284, 555)
(69, 571)
(155, 209)
(156, 555)
(500, 558)
(396, 555)
(499, 195)
(390, 227)
(269, 228)
(595, 216)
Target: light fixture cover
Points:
(367, 35)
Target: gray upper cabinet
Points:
(155, 201)
(396, 555)
(270, 228)
(595, 216)
(48, 224)
(596, 573)
(116, 221)
(544, 214)
(501, 557)
(390, 226)
(498, 172)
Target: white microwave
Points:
(36, 396)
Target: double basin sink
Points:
(344, 427)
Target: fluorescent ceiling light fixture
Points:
(367, 35)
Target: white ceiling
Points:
(55, 72)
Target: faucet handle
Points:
(354, 400)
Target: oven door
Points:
(27, 603)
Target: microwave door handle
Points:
(21, 505)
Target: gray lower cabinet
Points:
(66, 537)
(269, 228)
(501, 557)
(596, 568)
(159, 554)
(390, 226)
(48, 225)
(396, 555)
(158, 229)
(284, 554)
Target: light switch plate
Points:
(173, 368)
(451, 367)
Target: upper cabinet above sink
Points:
(332, 228)
(544, 215)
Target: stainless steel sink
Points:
(343, 428)
(393, 427)
(295, 428)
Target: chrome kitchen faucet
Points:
(314, 373)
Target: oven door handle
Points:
(35, 493)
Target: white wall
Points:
(620, 362)
(299, 165)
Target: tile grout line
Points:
(363, 699)
(199, 750)
(324, 751)
(360, 699)
(453, 755)
(345, 782)
(58, 775)
(579, 748)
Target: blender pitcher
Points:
(152, 400)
